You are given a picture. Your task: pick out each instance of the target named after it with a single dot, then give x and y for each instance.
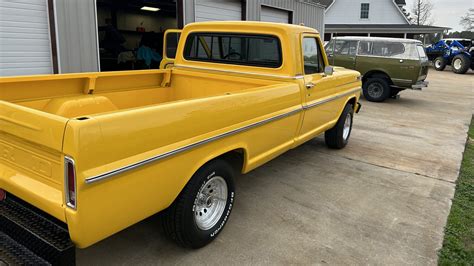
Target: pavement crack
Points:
(389, 168)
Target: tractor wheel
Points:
(461, 63)
(439, 63)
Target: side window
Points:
(312, 57)
(172, 39)
(329, 47)
(388, 49)
(346, 47)
(365, 48)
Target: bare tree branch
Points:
(467, 21)
(421, 12)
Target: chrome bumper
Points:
(420, 85)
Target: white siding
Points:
(348, 12)
(208, 10)
(271, 14)
(25, 46)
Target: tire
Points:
(189, 221)
(338, 136)
(440, 63)
(461, 63)
(376, 89)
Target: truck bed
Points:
(77, 95)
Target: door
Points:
(24, 38)
(271, 14)
(209, 10)
(345, 53)
(170, 46)
(319, 112)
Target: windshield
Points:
(421, 51)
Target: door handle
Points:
(309, 85)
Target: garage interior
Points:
(131, 32)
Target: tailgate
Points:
(31, 161)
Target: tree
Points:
(467, 21)
(422, 12)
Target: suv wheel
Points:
(439, 63)
(461, 63)
(202, 209)
(376, 89)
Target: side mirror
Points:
(328, 70)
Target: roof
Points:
(383, 28)
(327, 3)
(358, 38)
(240, 25)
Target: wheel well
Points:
(235, 157)
(352, 101)
(376, 74)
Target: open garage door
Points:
(24, 38)
(271, 14)
(209, 10)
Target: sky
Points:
(447, 13)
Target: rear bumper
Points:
(28, 236)
(420, 85)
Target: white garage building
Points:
(64, 36)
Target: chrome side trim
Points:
(239, 72)
(129, 167)
(105, 175)
(312, 105)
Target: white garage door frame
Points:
(290, 11)
(242, 9)
(27, 38)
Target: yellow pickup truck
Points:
(90, 154)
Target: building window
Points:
(364, 10)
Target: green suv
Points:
(387, 65)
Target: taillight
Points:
(3, 194)
(70, 182)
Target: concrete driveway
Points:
(384, 199)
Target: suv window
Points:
(313, 60)
(240, 49)
(365, 48)
(388, 49)
(341, 47)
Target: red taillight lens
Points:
(3, 194)
(70, 182)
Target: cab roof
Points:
(248, 25)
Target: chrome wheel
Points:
(438, 63)
(347, 127)
(210, 203)
(457, 64)
(375, 90)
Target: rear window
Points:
(239, 49)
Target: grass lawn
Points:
(458, 244)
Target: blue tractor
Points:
(458, 53)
